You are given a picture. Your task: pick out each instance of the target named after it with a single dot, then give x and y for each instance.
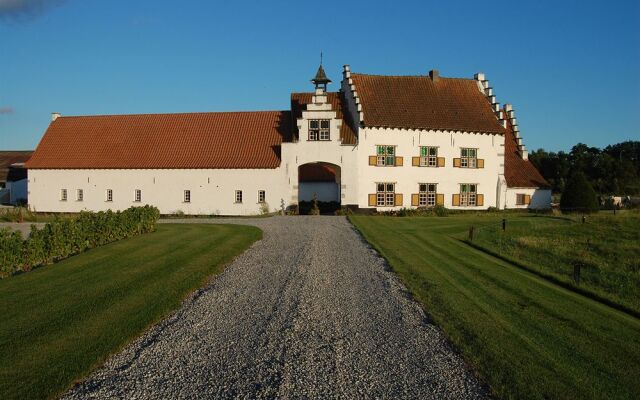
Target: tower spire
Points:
(320, 80)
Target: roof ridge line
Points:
(176, 113)
(411, 76)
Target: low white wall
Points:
(540, 198)
(212, 190)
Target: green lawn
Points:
(606, 247)
(526, 337)
(59, 322)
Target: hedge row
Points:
(62, 238)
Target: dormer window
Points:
(319, 129)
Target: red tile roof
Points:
(518, 172)
(188, 140)
(9, 157)
(417, 102)
(299, 103)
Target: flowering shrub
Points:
(62, 238)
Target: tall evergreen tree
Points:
(578, 195)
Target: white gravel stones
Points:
(310, 311)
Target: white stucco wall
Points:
(490, 148)
(212, 190)
(540, 198)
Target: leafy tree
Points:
(578, 195)
(615, 170)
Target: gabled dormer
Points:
(318, 116)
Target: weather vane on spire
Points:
(320, 57)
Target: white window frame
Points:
(466, 159)
(63, 194)
(468, 194)
(187, 196)
(385, 157)
(262, 196)
(322, 130)
(137, 196)
(427, 194)
(428, 159)
(385, 194)
(238, 198)
(79, 195)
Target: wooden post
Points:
(504, 224)
(471, 234)
(576, 272)
(584, 219)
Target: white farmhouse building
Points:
(381, 142)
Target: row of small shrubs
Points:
(439, 211)
(62, 238)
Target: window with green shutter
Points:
(386, 155)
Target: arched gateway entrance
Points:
(319, 180)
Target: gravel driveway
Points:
(24, 227)
(310, 311)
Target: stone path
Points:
(308, 312)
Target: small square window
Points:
(238, 196)
(427, 195)
(428, 156)
(79, 195)
(138, 196)
(63, 194)
(468, 194)
(261, 196)
(109, 195)
(385, 195)
(187, 196)
(319, 129)
(385, 156)
(468, 158)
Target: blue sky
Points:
(570, 68)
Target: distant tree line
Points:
(614, 170)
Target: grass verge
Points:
(526, 337)
(59, 323)
(605, 248)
